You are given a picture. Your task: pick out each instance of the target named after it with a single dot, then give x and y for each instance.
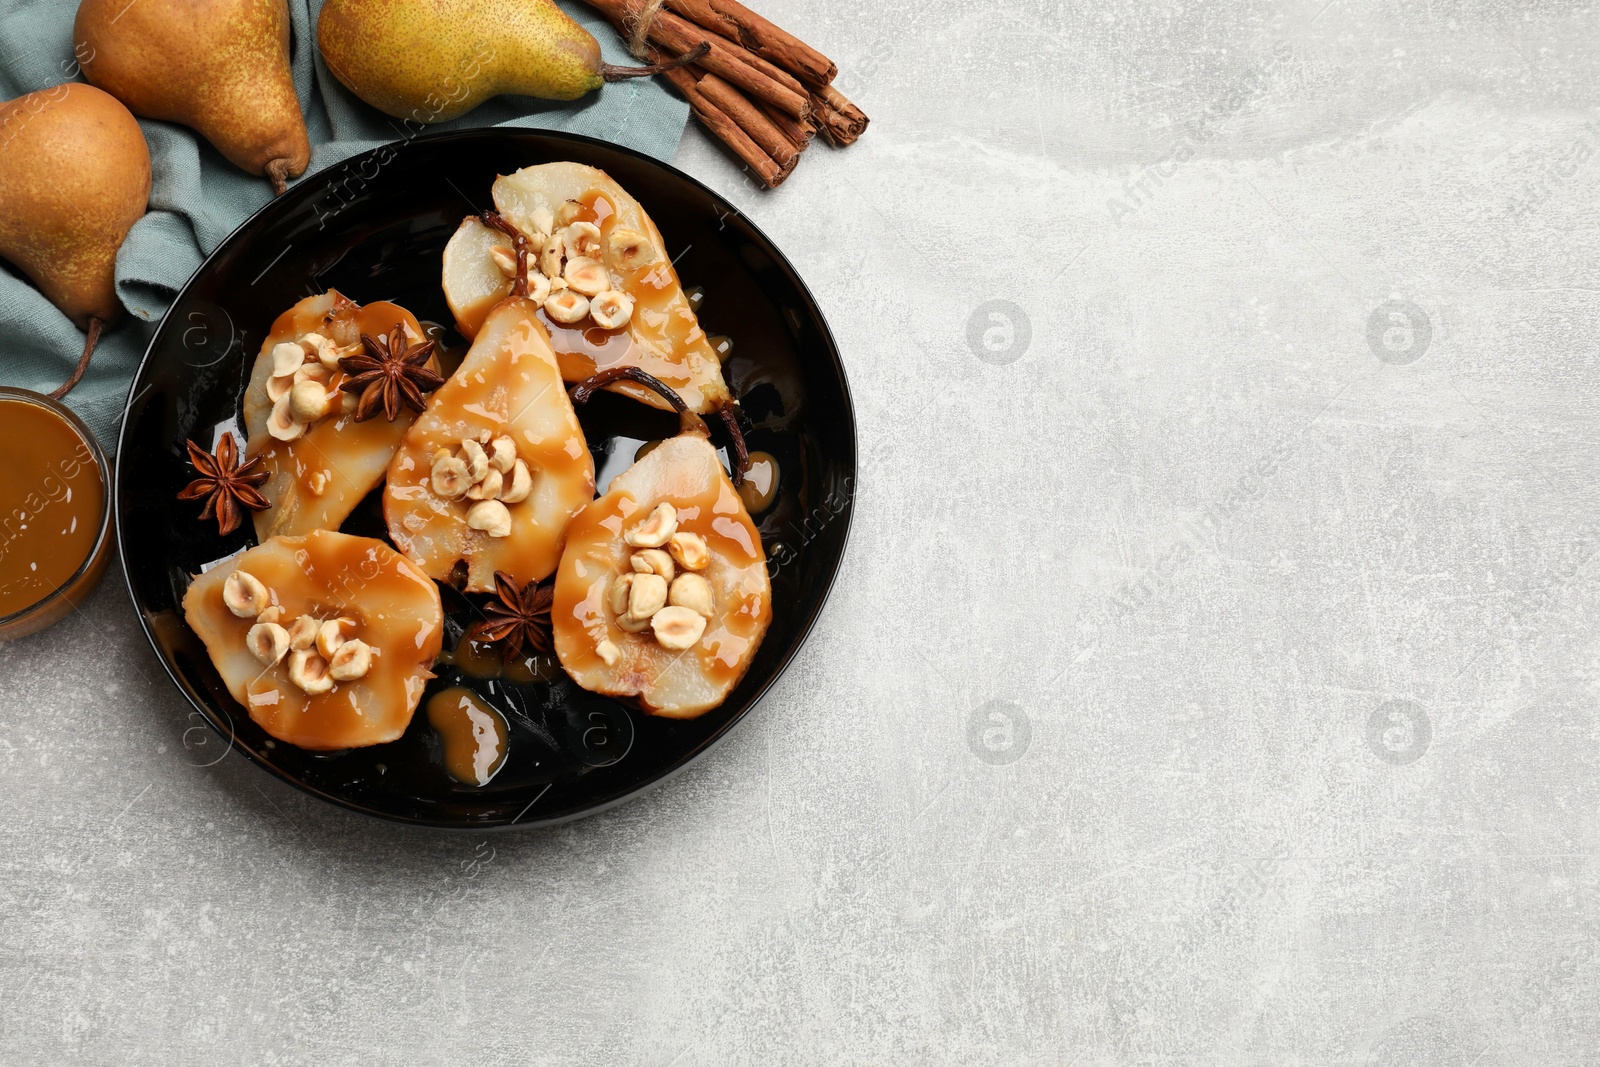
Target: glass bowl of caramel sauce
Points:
(55, 512)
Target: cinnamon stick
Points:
(840, 120)
(677, 35)
(799, 131)
(751, 119)
(770, 171)
(738, 23)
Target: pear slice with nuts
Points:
(321, 461)
(603, 223)
(689, 655)
(360, 689)
(508, 387)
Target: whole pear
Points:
(74, 178)
(220, 67)
(436, 60)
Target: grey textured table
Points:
(1210, 679)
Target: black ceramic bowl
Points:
(374, 227)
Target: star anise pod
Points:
(516, 618)
(391, 372)
(224, 484)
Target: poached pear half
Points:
(372, 593)
(495, 467)
(662, 596)
(320, 467)
(662, 334)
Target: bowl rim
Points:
(102, 538)
(320, 181)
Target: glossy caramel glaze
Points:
(760, 486)
(663, 337)
(508, 384)
(395, 609)
(347, 458)
(685, 472)
(52, 501)
(471, 733)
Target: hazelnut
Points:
(611, 310)
(287, 357)
(278, 386)
(538, 284)
(550, 256)
(689, 549)
(505, 259)
(312, 372)
(308, 401)
(583, 241)
(330, 635)
(567, 306)
(318, 483)
(693, 592)
(245, 594)
(653, 561)
(502, 453)
(491, 517)
(309, 671)
(646, 595)
(587, 276)
(630, 249)
(677, 628)
(656, 530)
(608, 652)
(352, 661)
(568, 213)
(516, 487)
(303, 633)
(489, 488)
(477, 461)
(632, 625)
(449, 477)
(617, 595)
(282, 424)
(267, 642)
(544, 220)
(272, 614)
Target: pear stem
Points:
(689, 421)
(496, 221)
(741, 453)
(612, 73)
(277, 171)
(96, 325)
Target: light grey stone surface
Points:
(1211, 678)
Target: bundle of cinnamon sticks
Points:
(762, 91)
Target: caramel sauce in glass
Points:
(52, 506)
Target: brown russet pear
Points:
(220, 67)
(435, 61)
(74, 178)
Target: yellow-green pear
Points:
(435, 61)
(220, 67)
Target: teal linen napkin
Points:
(197, 198)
